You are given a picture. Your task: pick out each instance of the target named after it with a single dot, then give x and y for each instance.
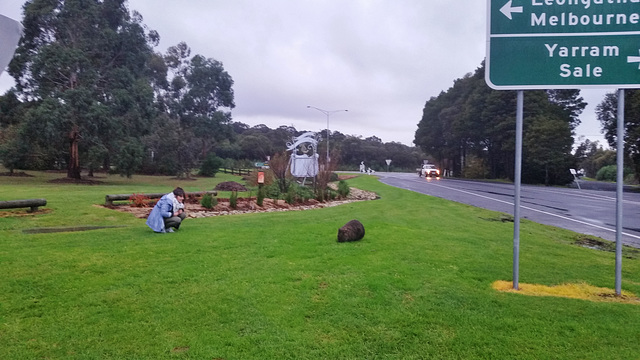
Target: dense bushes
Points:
(211, 165)
(609, 173)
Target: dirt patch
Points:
(249, 205)
(16, 174)
(83, 181)
(596, 244)
(67, 229)
(347, 177)
(185, 178)
(22, 212)
(609, 246)
(501, 218)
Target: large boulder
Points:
(351, 231)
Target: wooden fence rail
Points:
(235, 171)
(109, 199)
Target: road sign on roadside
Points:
(559, 44)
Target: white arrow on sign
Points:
(508, 9)
(634, 59)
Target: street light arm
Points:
(328, 114)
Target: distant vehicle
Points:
(429, 170)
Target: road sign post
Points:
(564, 44)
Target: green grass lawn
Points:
(279, 286)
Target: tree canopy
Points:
(607, 112)
(91, 92)
(82, 65)
(470, 130)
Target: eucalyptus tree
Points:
(607, 112)
(547, 146)
(570, 103)
(87, 62)
(256, 147)
(199, 95)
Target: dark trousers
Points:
(174, 221)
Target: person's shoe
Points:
(169, 230)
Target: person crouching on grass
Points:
(168, 212)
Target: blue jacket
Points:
(162, 210)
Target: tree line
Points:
(91, 93)
(470, 130)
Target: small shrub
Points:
(290, 196)
(261, 195)
(208, 201)
(343, 189)
(139, 200)
(272, 191)
(233, 200)
(305, 193)
(331, 194)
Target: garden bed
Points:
(249, 205)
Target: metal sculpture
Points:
(304, 156)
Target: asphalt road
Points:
(591, 212)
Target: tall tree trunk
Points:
(73, 170)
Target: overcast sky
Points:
(379, 59)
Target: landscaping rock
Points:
(351, 231)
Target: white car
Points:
(429, 170)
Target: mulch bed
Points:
(230, 186)
(249, 205)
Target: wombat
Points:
(351, 231)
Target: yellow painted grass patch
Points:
(574, 291)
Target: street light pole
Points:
(328, 114)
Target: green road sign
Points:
(559, 44)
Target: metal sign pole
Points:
(619, 190)
(516, 201)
